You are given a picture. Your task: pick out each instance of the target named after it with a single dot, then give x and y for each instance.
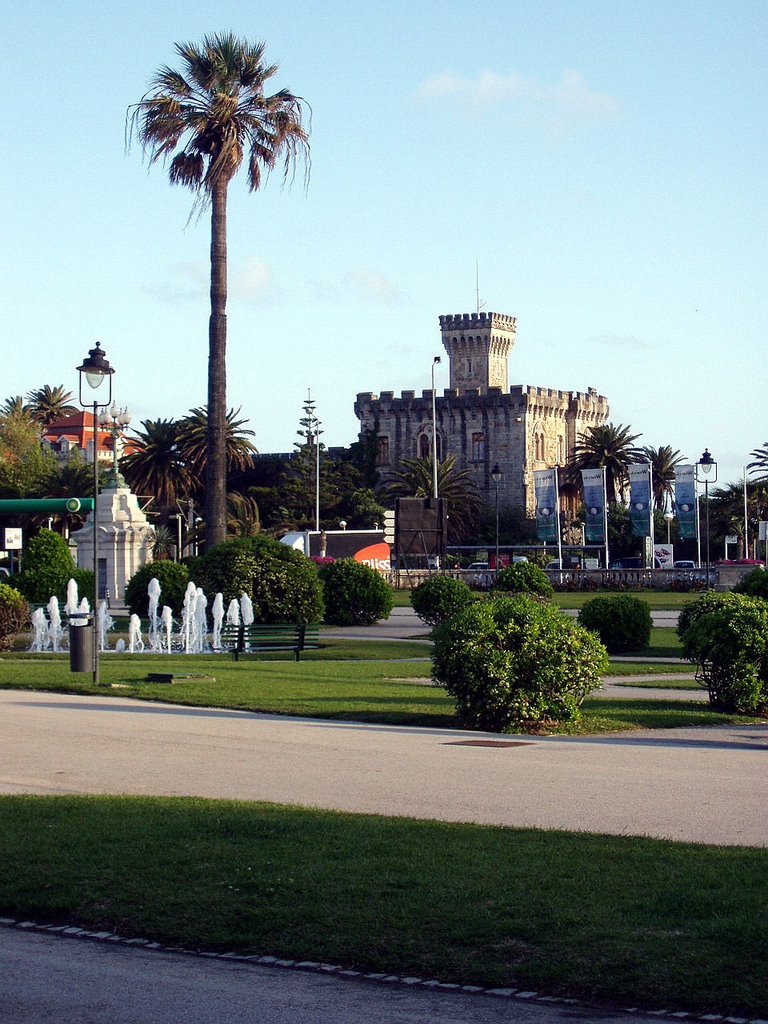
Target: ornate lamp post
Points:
(94, 370)
(114, 421)
(707, 468)
(496, 477)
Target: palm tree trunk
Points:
(216, 464)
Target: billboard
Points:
(593, 484)
(640, 499)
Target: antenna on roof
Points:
(477, 285)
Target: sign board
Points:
(389, 527)
(664, 554)
(763, 535)
(12, 538)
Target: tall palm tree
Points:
(663, 462)
(209, 114)
(609, 446)
(48, 404)
(760, 460)
(414, 480)
(193, 442)
(156, 465)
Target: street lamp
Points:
(668, 517)
(93, 371)
(708, 469)
(114, 421)
(435, 361)
(496, 477)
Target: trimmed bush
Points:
(355, 594)
(46, 568)
(439, 598)
(754, 584)
(14, 615)
(281, 582)
(173, 578)
(709, 602)
(523, 578)
(623, 623)
(513, 663)
(729, 646)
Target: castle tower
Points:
(478, 346)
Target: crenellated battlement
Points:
(460, 321)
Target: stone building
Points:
(480, 419)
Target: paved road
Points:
(685, 784)
(52, 980)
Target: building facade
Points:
(480, 419)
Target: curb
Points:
(317, 967)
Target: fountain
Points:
(191, 638)
(166, 617)
(246, 609)
(135, 643)
(217, 613)
(105, 623)
(153, 590)
(72, 598)
(40, 638)
(55, 632)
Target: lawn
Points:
(632, 921)
(352, 687)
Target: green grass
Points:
(659, 600)
(376, 691)
(621, 919)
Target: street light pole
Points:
(93, 371)
(435, 361)
(708, 469)
(496, 477)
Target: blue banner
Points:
(685, 502)
(593, 483)
(547, 510)
(640, 499)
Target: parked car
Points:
(684, 563)
(479, 574)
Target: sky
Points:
(595, 169)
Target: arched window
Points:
(382, 451)
(424, 446)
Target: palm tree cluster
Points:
(208, 119)
(613, 448)
(167, 460)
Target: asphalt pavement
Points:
(699, 785)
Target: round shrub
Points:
(46, 568)
(513, 663)
(708, 602)
(440, 598)
(173, 578)
(623, 623)
(355, 594)
(729, 646)
(754, 584)
(14, 615)
(523, 578)
(281, 582)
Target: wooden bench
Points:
(270, 636)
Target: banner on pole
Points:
(640, 499)
(593, 484)
(685, 502)
(547, 505)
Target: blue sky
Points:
(602, 163)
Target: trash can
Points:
(80, 642)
